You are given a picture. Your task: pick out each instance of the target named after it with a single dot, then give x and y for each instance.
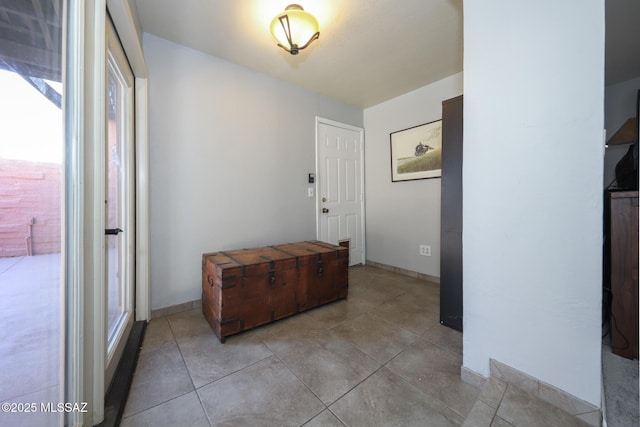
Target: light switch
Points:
(310, 192)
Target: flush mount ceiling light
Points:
(294, 29)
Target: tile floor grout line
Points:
(355, 386)
(195, 389)
(344, 423)
(184, 362)
(173, 338)
(206, 414)
(342, 395)
(224, 376)
(306, 386)
(395, 326)
(312, 418)
(443, 348)
(440, 402)
(155, 405)
(350, 343)
(495, 413)
(175, 341)
(231, 373)
(422, 391)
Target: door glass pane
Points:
(31, 194)
(116, 268)
(120, 201)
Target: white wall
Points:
(619, 105)
(532, 177)
(230, 150)
(403, 215)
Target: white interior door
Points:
(340, 195)
(120, 202)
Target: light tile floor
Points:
(379, 358)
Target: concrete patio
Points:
(30, 338)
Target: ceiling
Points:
(369, 51)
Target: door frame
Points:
(323, 121)
(84, 103)
(126, 205)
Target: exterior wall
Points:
(30, 216)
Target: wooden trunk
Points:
(245, 288)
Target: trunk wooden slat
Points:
(246, 288)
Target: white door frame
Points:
(85, 131)
(118, 63)
(320, 121)
(124, 21)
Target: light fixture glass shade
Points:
(294, 29)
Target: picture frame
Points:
(416, 152)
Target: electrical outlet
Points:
(425, 250)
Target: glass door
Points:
(32, 171)
(120, 202)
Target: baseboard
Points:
(550, 394)
(175, 309)
(603, 403)
(404, 271)
(472, 377)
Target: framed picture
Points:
(416, 153)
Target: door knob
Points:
(112, 231)
(325, 210)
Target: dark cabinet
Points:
(451, 215)
(622, 250)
